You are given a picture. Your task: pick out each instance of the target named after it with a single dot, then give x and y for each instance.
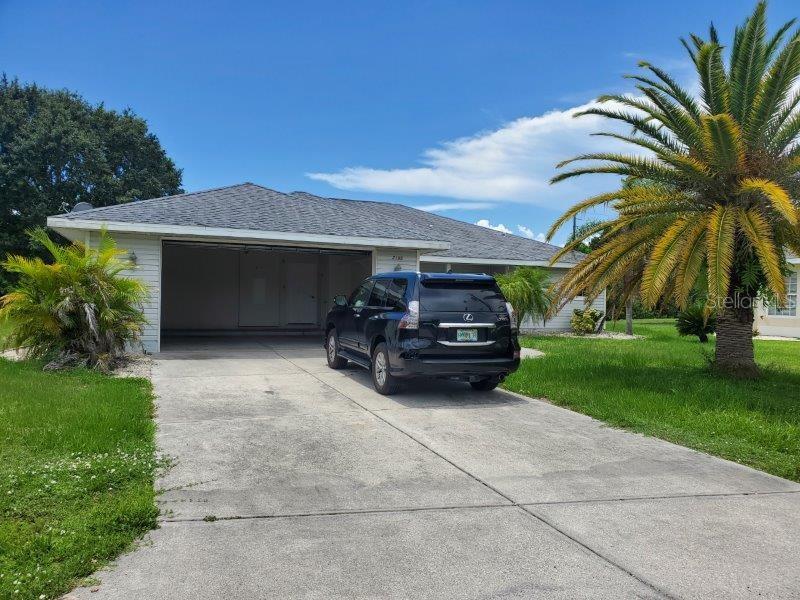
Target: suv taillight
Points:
(512, 316)
(410, 320)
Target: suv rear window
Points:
(453, 295)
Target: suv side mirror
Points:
(340, 300)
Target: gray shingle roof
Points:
(250, 206)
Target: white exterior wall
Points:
(782, 325)
(561, 321)
(395, 259)
(148, 270)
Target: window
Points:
(361, 295)
(439, 295)
(395, 294)
(378, 293)
(789, 309)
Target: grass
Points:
(661, 386)
(76, 475)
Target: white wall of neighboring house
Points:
(786, 320)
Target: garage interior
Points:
(224, 289)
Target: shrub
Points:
(695, 321)
(528, 291)
(77, 310)
(585, 320)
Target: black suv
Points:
(408, 324)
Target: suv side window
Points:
(378, 295)
(395, 294)
(360, 297)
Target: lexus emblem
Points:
(469, 317)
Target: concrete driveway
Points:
(296, 481)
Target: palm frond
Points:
(604, 259)
(774, 89)
(749, 58)
(670, 87)
(639, 168)
(720, 234)
(681, 123)
(759, 234)
(654, 146)
(690, 261)
(775, 41)
(580, 207)
(575, 243)
(777, 197)
(638, 123)
(662, 261)
(785, 128)
(722, 143)
(713, 80)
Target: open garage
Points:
(219, 288)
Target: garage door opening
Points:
(222, 289)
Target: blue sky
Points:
(442, 105)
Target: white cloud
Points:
(442, 206)
(513, 163)
(528, 233)
(499, 227)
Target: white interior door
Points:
(259, 289)
(300, 275)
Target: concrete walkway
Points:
(296, 481)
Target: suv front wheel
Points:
(332, 351)
(385, 383)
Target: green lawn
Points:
(76, 475)
(660, 386)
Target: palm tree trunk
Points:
(629, 316)
(734, 351)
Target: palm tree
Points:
(715, 190)
(77, 309)
(528, 291)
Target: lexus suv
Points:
(407, 324)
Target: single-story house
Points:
(246, 258)
(782, 319)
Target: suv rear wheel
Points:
(385, 383)
(485, 385)
(332, 351)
